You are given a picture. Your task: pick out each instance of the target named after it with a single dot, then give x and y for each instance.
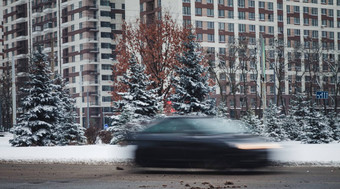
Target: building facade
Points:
(80, 38)
(300, 41)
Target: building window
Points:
(241, 3)
(262, 29)
(230, 27)
(251, 28)
(199, 37)
(296, 20)
(241, 28)
(210, 25)
(251, 16)
(251, 3)
(199, 24)
(262, 16)
(107, 88)
(221, 26)
(270, 6)
(221, 38)
(187, 11)
(230, 3)
(241, 15)
(314, 22)
(198, 11)
(221, 13)
(230, 14)
(106, 98)
(210, 12)
(211, 37)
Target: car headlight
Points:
(257, 146)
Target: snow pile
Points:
(291, 153)
(65, 154)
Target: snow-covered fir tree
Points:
(138, 105)
(68, 130)
(253, 122)
(192, 86)
(334, 123)
(143, 101)
(290, 126)
(37, 125)
(316, 128)
(222, 110)
(273, 126)
(299, 109)
(122, 125)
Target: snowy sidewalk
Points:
(292, 153)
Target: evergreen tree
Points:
(299, 109)
(138, 104)
(144, 102)
(273, 126)
(253, 122)
(316, 128)
(192, 86)
(37, 125)
(68, 131)
(291, 128)
(334, 123)
(120, 127)
(222, 110)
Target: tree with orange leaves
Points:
(156, 45)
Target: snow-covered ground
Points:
(291, 153)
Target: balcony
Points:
(37, 14)
(93, 40)
(20, 2)
(47, 50)
(93, 7)
(94, 29)
(64, 4)
(64, 25)
(94, 50)
(47, 10)
(21, 38)
(20, 20)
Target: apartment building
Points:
(1, 35)
(80, 38)
(300, 29)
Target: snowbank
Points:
(291, 153)
(65, 154)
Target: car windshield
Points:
(198, 125)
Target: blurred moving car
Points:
(200, 142)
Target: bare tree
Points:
(277, 63)
(334, 72)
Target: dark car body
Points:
(200, 142)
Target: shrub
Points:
(91, 134)
(105, 136)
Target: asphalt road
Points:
(127, 176)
